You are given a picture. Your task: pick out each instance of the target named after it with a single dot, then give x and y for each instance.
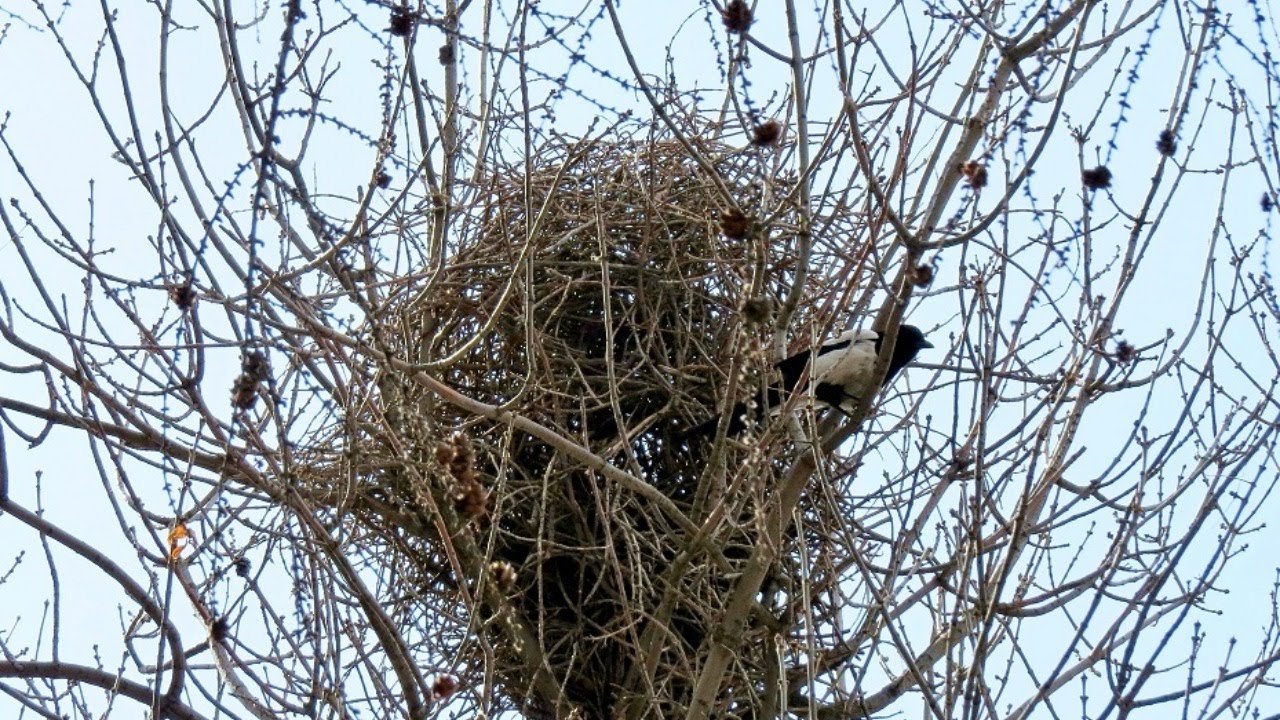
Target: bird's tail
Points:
(743, 416)
(706, 430)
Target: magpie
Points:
(843, 366)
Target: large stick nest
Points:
(595, 294)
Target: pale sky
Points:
(51, 125)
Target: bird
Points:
(842, 368)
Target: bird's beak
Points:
(926, 344)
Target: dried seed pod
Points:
(444, 686)
(1097, 178)
(734, 224)
(922, 275)
(737, 16)
(471, 499)
(255, 369)
(1126, 353)
(766, 134)
(975, 173)
(402, 22)
(182, 294)
(503, 575)
(757, 310)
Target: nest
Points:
(605, 315)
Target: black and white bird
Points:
(839, 374)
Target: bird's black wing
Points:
(839, 345)
(793, 367)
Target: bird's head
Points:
(911, 339)
(910, 342)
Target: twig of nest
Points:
(600, 313)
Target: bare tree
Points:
(384, 328)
